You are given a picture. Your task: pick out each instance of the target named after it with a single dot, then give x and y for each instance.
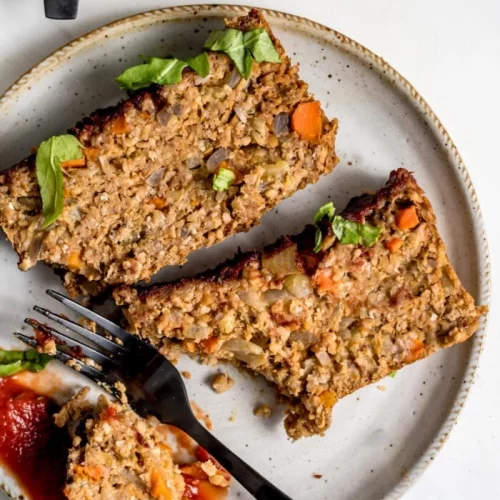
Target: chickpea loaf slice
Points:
(116, 455)
(320, 325)
(144, 198)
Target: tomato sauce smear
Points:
(31, 446)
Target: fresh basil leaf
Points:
(50, 154)
(230, 41)
(328, 209)
(318, 240)
(12, 362)
(200, 63)
(223, 179)
(259, 43)
(350, 232)
(154, 70)
(224, 40)
(247, 65)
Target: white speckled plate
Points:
(383, 436)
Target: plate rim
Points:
(170, 14)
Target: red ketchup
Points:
(31, 446)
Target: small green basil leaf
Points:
(247, 65)
(200, 63)
(259, 43)
(328, 209)
(223, 179)
(318, 240)
(12, 362)
(230, 41)
(224, 40)
(349, 232)
(50, 154)
(154, 70)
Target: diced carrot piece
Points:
(159, 488)
(306, 121)
(328, 398)
(119, 125)
(96, 473)
(91, 153)
(74, 261)
(73, 163)
(406, 218)
(394, 245)
(158, 202)
(324, 281)
(417, 351)
(209, 345)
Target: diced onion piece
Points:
(176, 109)
(245, 351)
(253, 299)
(298, 285)
(197, 332)
(155, 178)
(305, 337)
(234, 78)
(281, 124)
(282, 263)
(241, 113)
(164, 115)
(216, 158)
(275, 170)
(272, 296)
(35, 247)
(192, 163)
(323, 358)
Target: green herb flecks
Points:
(243, 48)
(347, 232)
(153, 70)
(327, 210)
(50, 154)
(223, 179)
(12, 362)
(392, 374)
(200, 63)
(259, 43)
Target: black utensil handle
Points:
(61, 9)
(257, 485)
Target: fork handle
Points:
(248, 477)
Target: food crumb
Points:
(186, 374)
(317, 476)
(88, 324)
(222, 383)
(349, 163)
(262, 411)
(381, 387)
(232, 417)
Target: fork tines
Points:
(94, 360)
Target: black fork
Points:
(153, 385)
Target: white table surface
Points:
(450, 51)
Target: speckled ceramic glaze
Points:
(383, 436)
